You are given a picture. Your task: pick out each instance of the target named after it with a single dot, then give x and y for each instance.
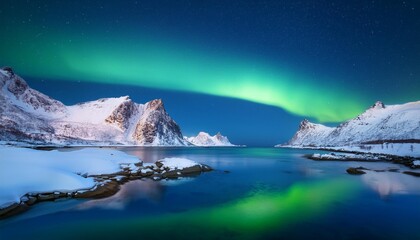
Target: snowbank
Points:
(345, 156)
(397, 149)
(178, 163)
(27, 170)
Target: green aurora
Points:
(247, 218)
(147, 62)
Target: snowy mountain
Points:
(204, 139)
(378, 124)
(29, 116)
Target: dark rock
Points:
(138, 164)
(62, 195)
(172, 174)
(206, 168)
(13, 209)
(105, 190)
(18, 86)
(415, 174)
(31, 200)
(146, 173)
(191, 170)
(122, 114)
(157, 124)
(159, 164)
(132, 177)
(4, 210)
(355, 171)
(9, 70)
(46, 197)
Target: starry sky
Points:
(250, 69)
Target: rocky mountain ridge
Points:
(32, 117)
(380, 123)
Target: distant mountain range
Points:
(204, 139)
(30, 117)
(378, 124)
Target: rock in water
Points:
(355, 171)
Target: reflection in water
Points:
(149, 155)
(310, 172)
(130, 192)
(249, 217)
(388, 183)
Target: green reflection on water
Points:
(250, 217)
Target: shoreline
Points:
(342, 149)
(364, 157)
(57, 146)
(106, 185)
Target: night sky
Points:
(250, 69)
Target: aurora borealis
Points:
(323, 60)
(162, 65)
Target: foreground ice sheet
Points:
(25, 170)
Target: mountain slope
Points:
(27, 115)
(204, 139)
(379, 123)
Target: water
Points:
(254, 193)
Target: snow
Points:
(5, 73)
(177, 163)
(345, 156)
(45, 121)
(398, 149)
(146, 170)
(398, 124)
(204, 139)
(94, 112)
(25, 170)
(416, 163)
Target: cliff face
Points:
(156, 127)
(122, 114)
(34, 118)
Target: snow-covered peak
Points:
(95, 111)
(17, 92)
(32, 117)
(378, 105)
(204, 139)
(306, 124)
(379, 123)
(203, 134)
(155, 127)
(6, 72)
(156, 104)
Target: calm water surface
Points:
(254, 193)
